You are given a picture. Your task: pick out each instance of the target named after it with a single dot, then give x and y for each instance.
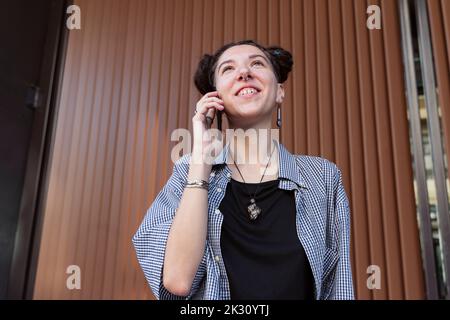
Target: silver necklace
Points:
(253, 210)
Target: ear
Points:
(280, 93)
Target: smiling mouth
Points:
(248, 93)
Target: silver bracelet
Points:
(198, 184)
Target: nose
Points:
(244, 74)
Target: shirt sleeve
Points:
(342, 284)
(151, 238)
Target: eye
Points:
(257, 62)
(226, 68)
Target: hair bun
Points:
(282, 62)
(203, 77)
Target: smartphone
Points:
(219, 120)
(218, 117)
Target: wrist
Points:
(199, 171)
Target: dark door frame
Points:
(30, 217)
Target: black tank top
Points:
(264, 258)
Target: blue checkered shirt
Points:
(323, 226)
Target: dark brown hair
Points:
(280, 59)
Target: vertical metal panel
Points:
(298, 78)
(385, 165)
(340, 118)
(324, 82)
(355, 175)
(128, 85)
(428, 76)
(285, 41)
(419, 163)
(370, 145)
(310, 55)
(439, 18)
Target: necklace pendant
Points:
(253, 210)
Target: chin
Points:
(249, 108)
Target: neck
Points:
(252, 147)
(264, 124)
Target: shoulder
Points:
(313, 164)
(320, 174)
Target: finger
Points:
(202, 117)
(211, 94)
(206, 99)
(203, 109)
(214, 99)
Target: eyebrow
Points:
(250, 57)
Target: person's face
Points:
(247, 84)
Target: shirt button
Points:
(228, 174)
(217, 258)
(212, 174)
(219, 190)
(217, 211)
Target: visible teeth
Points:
(247, 91)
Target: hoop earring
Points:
(279, 116)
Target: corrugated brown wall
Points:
(439, 14)
(128, 84)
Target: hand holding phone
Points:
(207, 108)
